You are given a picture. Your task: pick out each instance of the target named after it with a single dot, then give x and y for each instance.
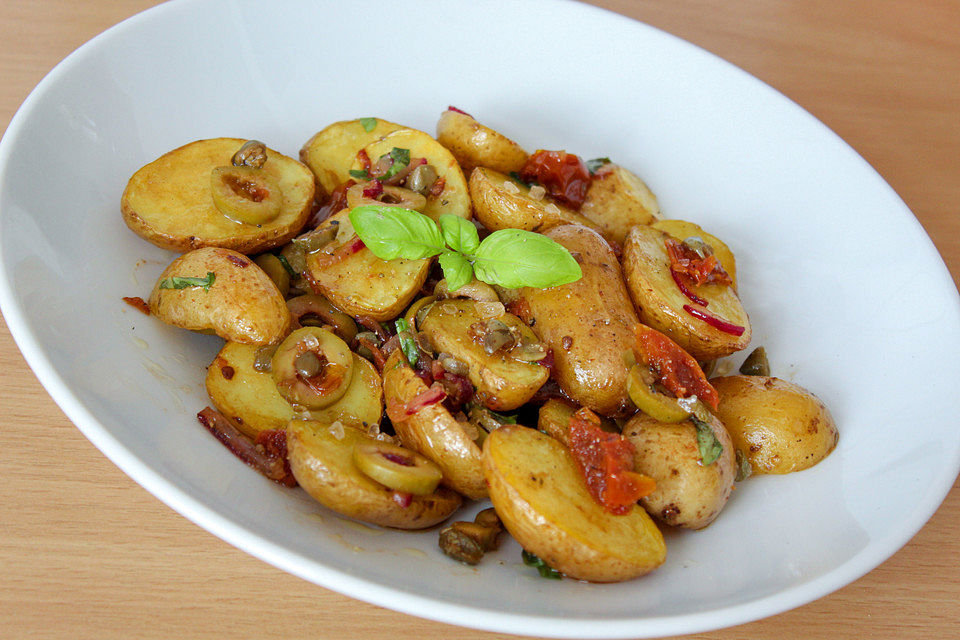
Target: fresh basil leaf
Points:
(515, 258)
(545, 570)
(359, 174)
(407, 344)
(286, 265)
(710, 448)
(182, 282)
(459, 234)
(456, 269)
(394, 232)
(400, 157)
(368, 124)
(596, 163)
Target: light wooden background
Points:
(87, 553)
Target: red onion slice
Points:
(714, 321)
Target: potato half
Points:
(617, 200)
(169, 203)
(475, 145)
(332, 151)
(543, 502)
(779, 426)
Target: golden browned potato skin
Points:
(660, 302)
(502, 383)
(588, 323)
(242, 305)
(500, 207)
(475, 145)
(779, 426)
(331, 152)
(681, 230)
(688, 494)
(362, 284)
(169, 203)
(543, 502)
(433, 432)
(617, 200)
(323, 465)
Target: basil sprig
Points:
(545, 570)
(710, 448)
(183, 282)
(510, 258)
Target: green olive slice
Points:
(391, 196)
(272, 266)
(397, 468)
(245, 194)
(312, 367)
(657, 405)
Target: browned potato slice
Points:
(588, 323)
(503, 383)
(617, 200)
(688, 494)
(361, 283)
(323, 465)
(250, 397)
(543, 502)
(660, 302)
(681, 230)
(331, 152)
(474, 145)
(454, 198)
(499, 202)
(242, 304)
(432, 431)
(169, 201)
(779, 426)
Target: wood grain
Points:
(87, 553)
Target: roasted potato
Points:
(503, 381)
(681, 230)
(239, 302)
(474, 145)
(588, 323)
(332, 151)
(544, 503)
(660, 302)
(688, 494)
(453, 198)
(169, 202)
(500, 202)
(554, 416)
(779, 426)
(321, 457)
(617, 200)
(361, 283)
(432, 431)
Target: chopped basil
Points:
(400, 157)
(286, 266)
(368, 124)
(516, 178)
(596, 163)
(503, 419)
(545, 570)
(359, 174)
(407, 344)
(744, 468)
(181, 282)
(710, 447)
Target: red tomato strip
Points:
(678, 371)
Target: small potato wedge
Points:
(169, 201)
(453, 198)
(543, 502)
(362, 284)
(432, 431)
(503, 382)
(475, 145)
(779, 426)
(332, 151)
(660, 302)
(689, 494)
(323, 465)
(242, 304)
(617, 200)
(588, 323)
(499, 202)
(681, 230)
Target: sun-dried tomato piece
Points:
(676, 369)
(564, 175)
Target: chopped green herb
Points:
(286, 266)
(744, 468)
(359, 174)
(596, 163)
(400, 157)
(368, 124)
(503, 419)
(710, 447)
(407, 344)
(516, 178)
(181, 282)
(545, 570)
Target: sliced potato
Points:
(475, 145)
(169, 202)
(779, 426)
(432, 431)
(617, 200)
(660, 301)
(454, 197)
(503, 382)
(323, 465)
(241, 303)
(688, 494)
(499, 202)
(543, 502)
(681, 230)
(361, 283)
(332, 151)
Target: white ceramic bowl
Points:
(843, 287)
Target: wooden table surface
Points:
(87, 553)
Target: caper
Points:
(488, 518)
(421, 179)
(307, 364)
(295, 257)
(368, 337)
(452, 365)
(529, 352)
(497, 337)
(253, 154)
(316, 239)
(756, 363)
(460, 546)
(698, 246)
(262, 358)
